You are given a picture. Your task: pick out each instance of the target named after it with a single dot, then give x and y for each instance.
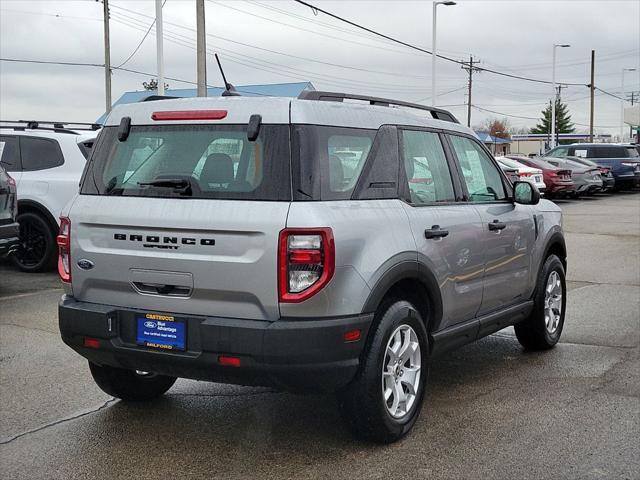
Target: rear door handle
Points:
(497, 225)
(435, 232)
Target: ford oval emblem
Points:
(85, 264)
(150, 324)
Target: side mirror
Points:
(525, 193)
(124, 129)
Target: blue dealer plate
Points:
(161, 331)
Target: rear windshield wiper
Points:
(167, 183)
(175, 183)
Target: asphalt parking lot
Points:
(492, 410)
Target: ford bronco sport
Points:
(327, 243)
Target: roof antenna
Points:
(229, 90)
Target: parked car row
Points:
(578, 169)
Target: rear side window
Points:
(609, 151)
(198, 161)
(9, 153)
(559, 152)
(426, 167)
(40, 153)
(481, 176)
(328, 161)
(632, 151)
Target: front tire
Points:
(130, 384)
(384, 400)
(542, 329)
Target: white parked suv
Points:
(526, 173)
(46, 159)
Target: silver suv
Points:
(329, 242)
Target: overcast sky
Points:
(265, 41)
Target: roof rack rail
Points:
(60, 127)
(437, 113)
(153, 98)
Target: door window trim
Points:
(403, 188)
(19, 153)
(503, 178)
(49, 140)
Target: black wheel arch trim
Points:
(42, 210)
(408, 270)
(556, 238)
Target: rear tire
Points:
(128, 384)
(37, 250)
(542, 329)
(384, 400)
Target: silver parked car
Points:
(587, 180)
(306, 244)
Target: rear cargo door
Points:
(183, 219)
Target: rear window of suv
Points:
(610, 151)
(211, 161)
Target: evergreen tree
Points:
(563, 120)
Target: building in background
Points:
(269, 90)
(499, 146)
(632, 118)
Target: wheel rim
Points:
(401, 371)
(553, 302)
(33, 243)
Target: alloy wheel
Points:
(401, 371)
(553, 302)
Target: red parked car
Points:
(557, 180)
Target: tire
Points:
(363, 402)
(37, 251)
(540, 331)
(128, 384)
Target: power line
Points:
(531, 118)
(259, 64)
(423, 50)
(135, 50)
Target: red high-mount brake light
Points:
(64, 250)
(189, 115)
(306, 262)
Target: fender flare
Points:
(408, 270)
(41, 209)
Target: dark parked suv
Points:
(8, 208)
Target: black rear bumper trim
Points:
(292, 354)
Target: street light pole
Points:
(622, 102)
(434, 53)
(553, 103)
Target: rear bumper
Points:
(9, 238)
(292, 354)
(560, 187)
(630, 180)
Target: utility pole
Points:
(592, 88)
(159, 50)
(470, 69)
(107, 57)
(201, 49)
(557, 100)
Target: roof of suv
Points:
(284, 111)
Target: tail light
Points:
(64, 250)
(306, 262)
(524, 174)
(11, 181)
